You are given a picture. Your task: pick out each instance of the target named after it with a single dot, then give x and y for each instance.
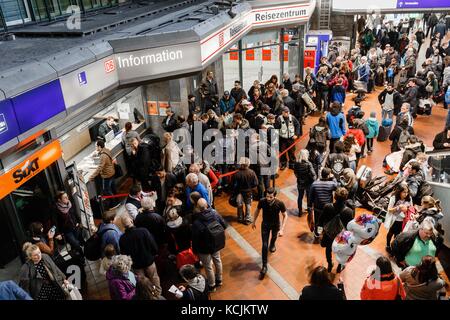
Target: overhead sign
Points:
(84, 83)
(9, 129)
(38, 105)
(30, 167)
(389, 4)
(155, 63)
(423, 4)
(257, 18)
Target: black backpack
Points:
(214, 236)
(93, 245)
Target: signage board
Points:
(38, 105)
(155, 63)
(9, 129)
(28, 168)
(88, 81)
(422, 4)
(389, 4)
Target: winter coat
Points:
(112, 236)
(106, 166)
(120, 286)
(397, 100)
(358, 134)
(420, 291)
(154, 223)
(386, 288)
(395, 136)
(200, 189)
(170, 125)
(440, 139)
(140, 245)
(338, 94)
(374, 127)
(244, 181)
(430, 212)
(304, 171)
(170, 156)
(336, 124)
(331, 210)
(203, 219)
(31, 281)
(321, 193)
(337, 162)
(227, 105)
(9, 290)
(405, 240)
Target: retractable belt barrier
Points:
(228, 174)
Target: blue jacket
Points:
(200, 189)
(9, 290)
(336, 124)
(227, 106)
(364, 72)
(110, 236)
(338, 94)
(373, 126)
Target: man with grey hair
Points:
(244, 181)
(409, 247)
(192, 185)
(287, 84)
(364, 72)
(203, 179)
(140, 245)
(149, 219)
(208, 238)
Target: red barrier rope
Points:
(228, 174)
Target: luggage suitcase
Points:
(364, 175)
(384, 133)
(309, 102)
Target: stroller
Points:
(375, 196)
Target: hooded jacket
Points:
(304, 171)
(388, 287)
(372, 124)
(336, 123)
(358, 134)
(196, 289)
(198, 236)
(338, 94)
(140, 245)
(120, 286)
(434, 213)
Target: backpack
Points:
(403, 139)
(353, 113)
(214, 236)
(93, 245)
(320, 137)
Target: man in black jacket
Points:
(411, 96)
(140, 162)
(417, 184)
(140, 245)
(390, 101)
(289, 130)
(442, 140)
(321, 193)
(149, 219)
(306, 175)
(170, 122)
(425, 241)
(338, 161)
(162, 182)
(237, 92)
(201, 244)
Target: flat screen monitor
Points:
(109, 136)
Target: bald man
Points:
(208, 238)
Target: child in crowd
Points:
(105, 263)
(373, 125)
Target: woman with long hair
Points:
(396, 212)
(422, 282)
(321, 287)
(383, 284)
(351, 148)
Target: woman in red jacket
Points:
(383, 284)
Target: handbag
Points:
(72, 292)
(118, 172)
(411, 225)
(429, 88)
(333, 227)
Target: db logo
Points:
(110, 66)
(28, 168)
(221, 39)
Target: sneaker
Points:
(247, 222)
(218, 283)
(273, 249)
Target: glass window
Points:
(230, 68)
(13, 10)
(39, 10)
(87, 4)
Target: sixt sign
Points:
(29, 168)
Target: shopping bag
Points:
(72, 292)
(186, 257)
(411, 225)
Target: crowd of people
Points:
(170, 212)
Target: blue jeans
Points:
(108, 186)
(352, 165)
(387, 114)
(301, 193)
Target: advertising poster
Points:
(163, 106)
(152, 108)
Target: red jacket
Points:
(382, 290)
(358, 134)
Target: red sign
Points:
(309, 58)
(30, 167)
(250, 54)
(110, 66)
(234, 55)
(266, 54)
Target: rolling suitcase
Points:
(364, 175)
(384, 133)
